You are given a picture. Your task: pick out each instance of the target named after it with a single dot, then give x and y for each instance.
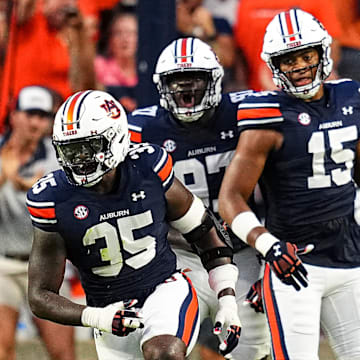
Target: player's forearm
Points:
(51, 306)
(233, 200)
(230, 205)
(212, 250)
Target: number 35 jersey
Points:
(116, 240)
(308, 183)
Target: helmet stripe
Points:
(63, 113)
(289, 25)
(85, 93)
(69, 110)
(175, 51)
(281, 29)
(192, 49)
(297, 23)
(183, 50)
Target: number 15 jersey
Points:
(308, 183)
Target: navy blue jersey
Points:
(308, 182)
(200, 154)
(116, 240)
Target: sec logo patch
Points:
(81, 212)
(304, 119)
(169, 145)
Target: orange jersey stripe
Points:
(258, 113)
(47, 213)
(70, 112)
(190, 318)
(166, 170)
(135, 136)
(271, 315)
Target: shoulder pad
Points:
(41, 201)
(259, 111)
(154, 157)
(147, 111)
(138, 120)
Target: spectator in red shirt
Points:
(47, 46)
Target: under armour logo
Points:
(228, 134)
(277, 250)
(141, 195)
(347, 110)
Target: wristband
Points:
(98, 318)
(223, 277)
(243, 223)
(264, 242)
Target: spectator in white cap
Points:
(36, 99)
(26, 154)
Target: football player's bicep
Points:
(249, 160)
(47, 261)
(244, 171)
(179, 200)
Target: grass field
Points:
(85, 350)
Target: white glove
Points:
(118, 318)
(227, 317)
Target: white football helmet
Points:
(188, 77)
(291, 31)
(90, 136)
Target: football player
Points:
(107, 211)
(197, 125)
(302, 144)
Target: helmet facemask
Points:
(188, 77)
(86, 161)
(187, 93)
(305, 91)
(80, 159)
(90, 136)
(296, 30)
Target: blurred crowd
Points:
(71, 45)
